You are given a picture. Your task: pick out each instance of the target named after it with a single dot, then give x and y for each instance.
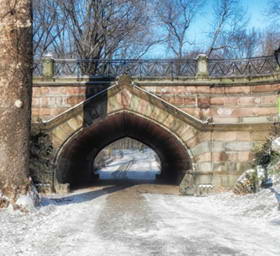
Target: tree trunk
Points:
(15, 98)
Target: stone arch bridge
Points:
(202, 117)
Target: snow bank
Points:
(261, 205)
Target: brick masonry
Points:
(238, 115)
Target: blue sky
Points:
(256, 11)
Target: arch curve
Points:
(75, 157)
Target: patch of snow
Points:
(275, 144)
(29, 201)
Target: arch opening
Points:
(75, 163)
(127, 159)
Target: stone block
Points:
(62, 188)
(231, 101)
(206, 157)
(63, 131)
(238, 146)
(35, 112)
(237, 90)
(245, 156)
(224, 136)
(178, 101)
(243, 135)
(193, 142)
(266, 111)
(201, 148)
(75, 123)
(244, 112)
(219, 157)
(219, 167)
(205, 167)
(232, 156)
(246, 101)
(45, 111)
(177, 126)
(162, 116)
(188, 133)
(230, 166)
(115, 105)
(203, 102)
(169, 121)
(265, 88)
(255, 120)
(224, 181)
(217, 100)
(218, 146)
(189, 101)
(36, 91)
(45, 91)
(269, 100)
(203, 179)
(226, 120)
(35, 101)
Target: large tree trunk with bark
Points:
(15, 98)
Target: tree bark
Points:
(15, 98)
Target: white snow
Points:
(223, 224)
(90, 222)
(275, 145)
(131, 164)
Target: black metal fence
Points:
(243, 67)
(113, 68)
(170, 68)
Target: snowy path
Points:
(131, 164)
(141, 220)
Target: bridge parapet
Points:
(201, 67)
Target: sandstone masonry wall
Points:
(239, 116)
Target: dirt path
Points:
(126, 213)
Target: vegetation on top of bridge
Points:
(257, 66)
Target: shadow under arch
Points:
(74, 162)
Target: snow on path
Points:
(142, 165)
(125, 221)
(208, 227)
(58, 228)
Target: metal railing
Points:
(113, 68)
(170, 68)
(243, 67)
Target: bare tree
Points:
(270, 41)
(241, 44)
(15, 101)
(229, 22)
(48, 25)
(176, 17)
(90, 29)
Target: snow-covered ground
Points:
(142, 220)
(131, 164)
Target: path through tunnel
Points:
(75, 161)
(126, 160)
